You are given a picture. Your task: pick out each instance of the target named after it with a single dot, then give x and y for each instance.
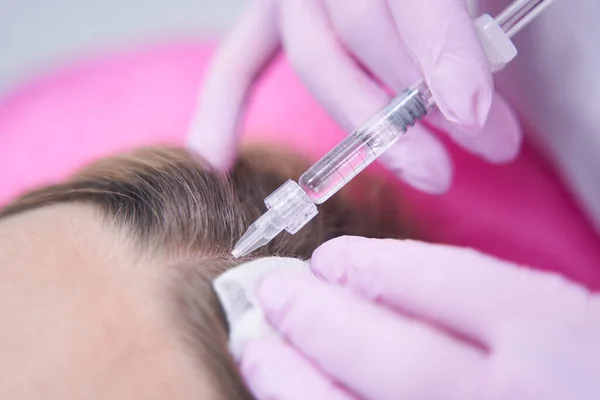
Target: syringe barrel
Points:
(362, 147)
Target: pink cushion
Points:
(62, 120)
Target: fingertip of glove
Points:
(330, 261)
(421, 160)
(463, 93)
(276, 292)
(434, 179)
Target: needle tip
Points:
(257, 235)
(237, 252)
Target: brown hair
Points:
(173, 204)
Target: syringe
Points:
(293, 205)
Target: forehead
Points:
(65, 228)
(85, 318)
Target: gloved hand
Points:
(410, 320)
(346, 52)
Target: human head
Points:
(107, 277)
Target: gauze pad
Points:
(237, 292)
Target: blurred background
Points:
(37, 34)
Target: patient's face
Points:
(80, 317)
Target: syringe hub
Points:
(289, 208)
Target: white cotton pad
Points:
(237, 292)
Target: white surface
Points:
(237, 291)
(36, 34)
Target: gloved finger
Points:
(469, 292)
(441, 37)
(335, 79)
(276, 371)
(367, 30)
(214, 132)
(398, 358)
(500, 139)
(352, 97)
(361, 23)
(421, 160)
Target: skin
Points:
(82, 314)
